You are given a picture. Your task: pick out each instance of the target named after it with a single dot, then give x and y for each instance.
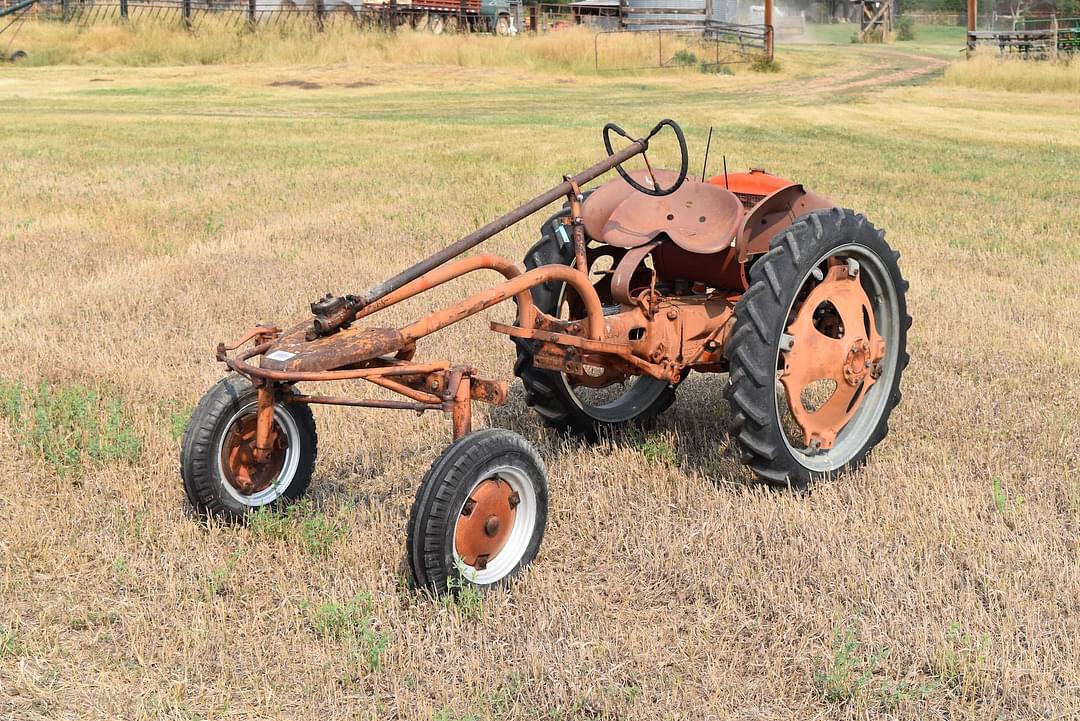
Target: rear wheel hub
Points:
(833, 339)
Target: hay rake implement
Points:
(631, 286)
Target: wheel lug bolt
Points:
(467, 509)
(514, 500)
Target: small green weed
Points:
(353, 624)
(214, 224)
(1004, 505)
(855, 675)
(178, 420)
(70, 426)
(219, 577)
(446, 713)
(656, 449)
(466, 598)
(315, 532)
(905, 28)
(684, 57)
(764, 64)
(715, 69)
(9, 643)
(962, 665)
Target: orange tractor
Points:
(631, 286)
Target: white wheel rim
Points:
(287, 425)
(510, 555)
(853, 436)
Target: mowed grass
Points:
(147, 214)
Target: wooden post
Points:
(65, 10)
(1053, 37)
(251, 12)
(185, 10)
(972, 12)
(320, 14)
(534, 17)
(769, 44)
(123, 9)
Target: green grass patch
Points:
(299, 523)
(71, 427)
(352, 624)
(854, 674)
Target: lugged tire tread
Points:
(751, 348)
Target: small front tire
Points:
(479, 514)
(220, 475)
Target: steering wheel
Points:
(656, 189)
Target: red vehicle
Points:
(631, 287)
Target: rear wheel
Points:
(221, 476)
(479, 514)
(581, 407)
(818, 349)
(502, 25)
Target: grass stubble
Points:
(146, 213)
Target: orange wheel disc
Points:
(486, 522)
(832, 349)
(238, 463)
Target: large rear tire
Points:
(828, 261)
(549, 393)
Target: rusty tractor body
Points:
(656, 274)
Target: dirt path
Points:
(881, 72)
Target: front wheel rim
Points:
(287, 430)
(472, 525)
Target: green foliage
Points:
(217, 583)
(9, 643)
(178, 420)
(962, 665)
(715, 68)
(905, 28)
(70, 426)
(1004, 505)
(855, 675)
(352, 624)
(314, 531)
(463, 597)
(935, 6)
(684, 57)
(764, 64)
(656, 449)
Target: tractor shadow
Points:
(694, 429)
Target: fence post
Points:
(65, 10)
(534, 17)
(320, 14)
(251, 12)
(185, 8)
(393, 16)
(123, 9)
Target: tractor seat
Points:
(699, 217)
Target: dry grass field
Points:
(147, 213)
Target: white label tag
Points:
(280, 355)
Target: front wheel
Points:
(479, 514)
(217, 463)
(818, 349)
